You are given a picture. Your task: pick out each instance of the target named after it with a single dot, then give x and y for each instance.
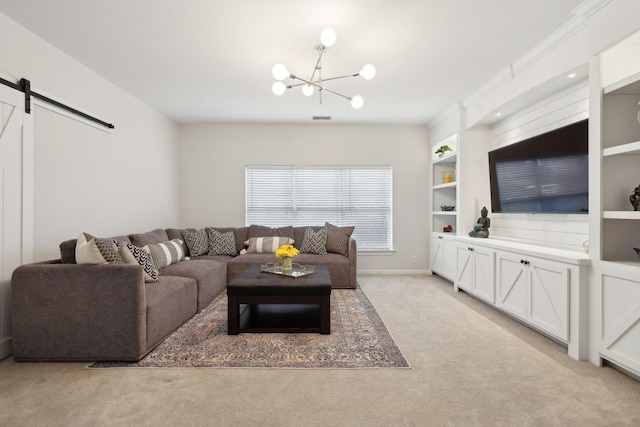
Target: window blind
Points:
(288, 195)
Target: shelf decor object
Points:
(317, 81)
(635, 199)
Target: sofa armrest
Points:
(353, 261)
(78, 312)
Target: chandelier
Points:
(317, 81)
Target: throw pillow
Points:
(136, 255)
(165, 253)
(221, 243)
(197, 242)
(109, 251)
(314, 242)
(266, 245)
(338, 238)
(87, 251)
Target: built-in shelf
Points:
(447, 185)
(633, 215)
(447, 158)
(630, 148)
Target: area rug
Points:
(358, 339)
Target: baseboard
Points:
(394, 272)
(6, 348)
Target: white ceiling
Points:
(211, 60)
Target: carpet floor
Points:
(358, 339)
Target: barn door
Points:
(16, 195)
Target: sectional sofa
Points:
(121, 307)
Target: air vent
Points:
(321, 117)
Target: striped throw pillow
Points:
(266, 245)
(165, 253)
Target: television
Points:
(548, 173)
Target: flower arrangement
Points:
(287, 251)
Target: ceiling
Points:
(210, 61)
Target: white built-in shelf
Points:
(627, 86)
(630, 148)
(447, 185)
(449, 213)
(621, 215)
(447, 158)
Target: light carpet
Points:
(358, 339)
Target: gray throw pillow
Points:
(338, 238)
(197, 242)
(221, 243)
(314, 242)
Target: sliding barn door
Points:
(16, 158)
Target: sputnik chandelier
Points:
(317, 81)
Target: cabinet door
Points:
(437, 254)
(449, 260)
(484, 273)
(512, 284)
(464, 270)
(549, 297)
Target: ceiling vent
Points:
(321, 117)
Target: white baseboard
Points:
(5, 348)
(393, 272)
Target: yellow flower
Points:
(287, 251)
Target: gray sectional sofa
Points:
(65, 311)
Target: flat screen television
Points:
(548, 173)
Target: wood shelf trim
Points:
(449, 158)
(453, 184)
(632, 215)
(630, 148)
(445, 213)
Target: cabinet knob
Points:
(471, 249)
(524, 262)
(440, 237)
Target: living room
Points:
(152, 171)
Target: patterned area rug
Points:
(358, 339)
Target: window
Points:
(287, 195)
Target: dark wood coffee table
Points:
(279, 303)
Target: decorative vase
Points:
(286, 265)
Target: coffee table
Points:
(278, 303)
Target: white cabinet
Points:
(475, 271)
(443, 255)
(535, 290)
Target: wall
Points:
(213, 159)
(87, 179)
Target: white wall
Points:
(213, 159)
(87, 179)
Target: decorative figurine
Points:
(481, 229)
(635, 199)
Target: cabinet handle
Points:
(440, 237)
(471, 249)
(524, 262)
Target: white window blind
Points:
(360, 196)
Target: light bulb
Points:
(368, 72)
(357, 102)
(328, 37)
(280, 72)
(307, 90)
(278, 88)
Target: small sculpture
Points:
(635, 199)
(481, 229)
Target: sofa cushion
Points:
(197, 242)
(155, 236)
(314, 242)
(338, 238)
(221, 243)
(263, 231)
(136, 255)
(165, 253)
(266, 245)
(210, 276)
